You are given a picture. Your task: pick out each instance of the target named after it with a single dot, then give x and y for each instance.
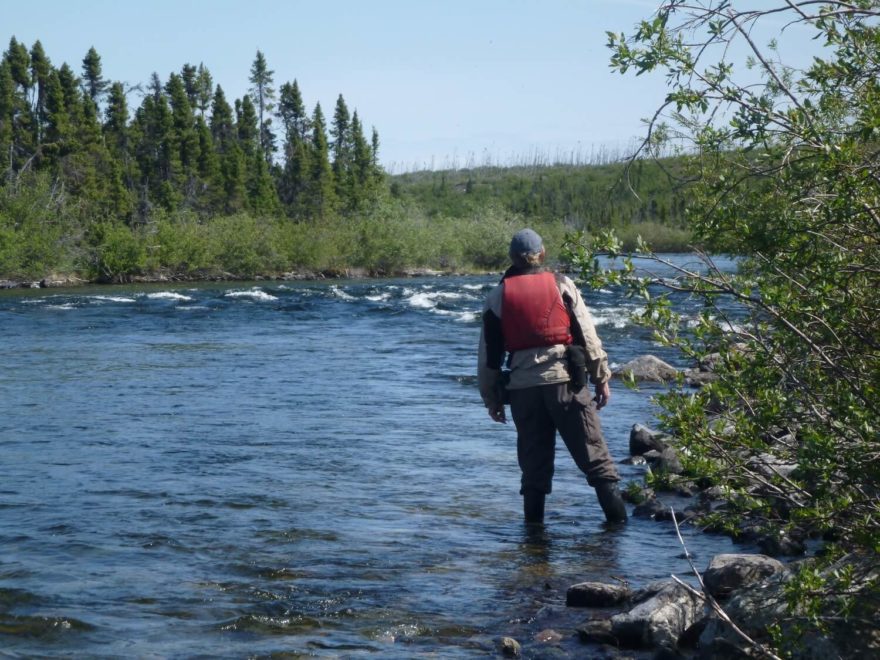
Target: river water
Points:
(284, 469)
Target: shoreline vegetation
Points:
(189, 184)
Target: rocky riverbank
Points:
(54, 280)
(739, 605)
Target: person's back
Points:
(539, 321)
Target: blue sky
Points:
(445, 82)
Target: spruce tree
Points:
(57, 137)
(320, 196)
(231, 167)
(261, 194)
(7, 91)
(295, 121)
(94, 83)
(189, 75)
(339, 132)
(263, 96)
(361, 176)
(116, 120)
(204, 89)
(19, 64)
(40, 70)
(184, 135)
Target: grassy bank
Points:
(43, 232)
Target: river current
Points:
(284, 469)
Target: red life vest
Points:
(532, 313)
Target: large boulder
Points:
(728, 572)
(660, 620)
(642, 439)
(754, 609)
(648, 368)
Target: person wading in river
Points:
(539, 320)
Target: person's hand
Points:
(603, 395)
(496, 412)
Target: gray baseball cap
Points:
(525, 241)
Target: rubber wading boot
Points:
(611, 501)
(533, 506)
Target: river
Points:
(283, 469)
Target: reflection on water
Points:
(233, 470)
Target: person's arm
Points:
(489, 360)
(584, 333)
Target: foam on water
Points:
(616, 317)
(252, 294)
(116, 299)
(169, 295)
(339, 293)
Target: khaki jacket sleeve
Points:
(597, 359)
(488, 378)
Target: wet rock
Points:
(637, 493)
(596, 594)
(648, 368)
(660, 620)
(729, 572)
(597, 631)
(649, 591)
(669, 462)
(652, 456)
(634, 460)
(642, 439)
(686, 489)
(510, 648)
(781, 545)
(698, 378)
(713, 493)
(549, 636)
(769, 465)
(650, 509)
(754, 608)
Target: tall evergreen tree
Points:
(263, 95)
(292, 112)
(231, 165)
(320, 196)
(295, 121)
(19, 64)
(189, 75)
(262, 197)
(361, 178)
(7, 95)
(22, 119)
(57, 137)
(186, 140)
(204, 89)
(95, 85)
(374, 149)
(41, 67)
(116, 120)
(339, 132)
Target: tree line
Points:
(185, 147)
